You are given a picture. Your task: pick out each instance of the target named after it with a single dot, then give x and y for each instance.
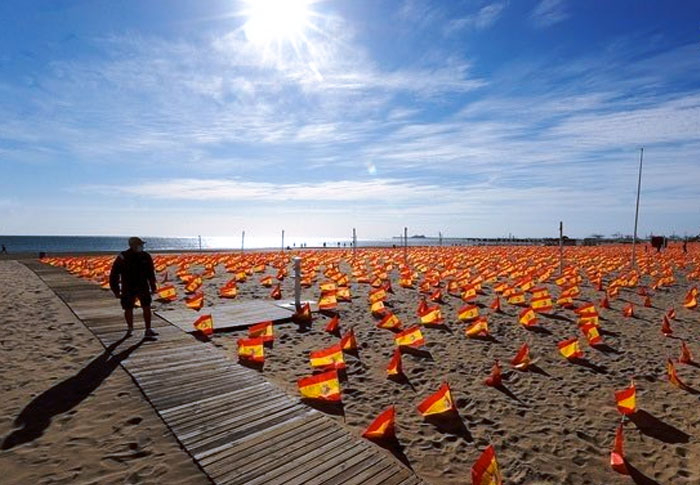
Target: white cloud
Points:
(484, 18)
(549, 12)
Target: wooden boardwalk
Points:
(239, 428)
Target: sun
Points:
(276, 21)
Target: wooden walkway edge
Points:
(238, 427)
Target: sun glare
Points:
(276, 21)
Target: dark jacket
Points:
(134, 271)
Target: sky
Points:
(473, 118)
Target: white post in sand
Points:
(561, 247)
(200, 243)
(636, 212)
(405, 245)
(242, 240)
(354, 243)
(297, 282)
(282, 240)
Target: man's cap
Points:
(135, 241)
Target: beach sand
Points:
(555, 425)
(83, 421)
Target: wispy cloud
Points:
(549, 12)
(484, 18)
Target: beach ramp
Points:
(228, 316)
(238, 427)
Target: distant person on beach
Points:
(133, 276)
(3, 250)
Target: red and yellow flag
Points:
(494, 380)
(691, 298)
(439, 402)
(377, 294)
(628, 310)
(204, 324)
(333, 325)
(304, 314)
(411, 337)
(251, 349)
(432, 316)
(468, 293)
(627, 399)
(324, 387)
(193, 284)
(330, 358)
(478, 328)
(167, 293)
(521, 361)
(327, 302)
(686, 357)
(262, 330)
(422, 307)
(527, 317)
(394, 367)
(266, 281)
(666, 327)
(570, 348)
(348, 341)
(517, 298)
(671, 312)
(383, 425)
(276, 293)
(485, 471)
(390, 321)
(377, 308)
(230, 290)
(617, 455)
(590, 331)
(542, 304)
(343, 294)
(195, 302)
(496, 304)
(468, 312)
(673, 376)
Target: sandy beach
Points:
(68, 416)
(552, 424)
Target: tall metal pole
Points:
(283, 240)
(636, 211)
(405, 245)
(440, 238)
(297, 282)
(354, 243)
(242, 240)
(200, 243)
(561, 247)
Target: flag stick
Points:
(282, 240)
(354, 243)
(405, 245)
(636, 212)
(561, 247)
(242, 240)
(297, 282)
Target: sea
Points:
(89, 244)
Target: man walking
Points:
(133, 276)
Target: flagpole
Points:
(561, 247)
(405, 245)
(282, 240)
(354, 243)
(636, 212)
(242, 240)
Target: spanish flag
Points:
(394, 367)
(686, 357)
(527, 317)
(672, 375)
(479, 328)
(390, 321)
(327, 286)
(468, 312)
(195, 302)
(539, 292)
(251, 349)
(588, 318)
(521, 361)
(327, 302)
(517, 298)
(266, 281)
(276, 292)
(382, 426)
(691, 301)
(348, 341)
(376, 295)
(565, 301)
(604, 302)
(671, 313)
(437, 403)
(628, 310)
(411, 337)
(333, 325)
(304, 313)
(666, 327)
(262, 330)
(205, 324)
(586, 309)
(496, 304)
(343, 294)
(570, 348)
(542, 304)
(485, 471)
(330, 358)
(167, 293)
(240, 276)
(422, 307)
(228, 291)
(468, 293)
(591, 333)
(647, 302)
(405, 282)
(324, 387)
(193, 285)
(377, 308)
(432, 316)
(617, 455)
(494, 380)
(627, 399)
(436, 296)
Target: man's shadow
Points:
(64, 396)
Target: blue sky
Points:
(474, 118)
